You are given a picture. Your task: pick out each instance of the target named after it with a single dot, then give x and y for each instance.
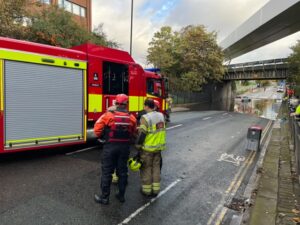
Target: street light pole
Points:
(131, 27)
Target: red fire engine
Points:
(50, 96)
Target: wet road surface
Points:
(57, 187)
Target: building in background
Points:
(81, 10)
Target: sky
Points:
(222, 16)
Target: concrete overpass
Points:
(275, 69)
(277, 19)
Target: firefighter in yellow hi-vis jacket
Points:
(151, 141)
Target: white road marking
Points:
(139, 210)
(206, 118)
(169, 128)
(244, 167)
(234, 159)
(82, 150)
(224, 114)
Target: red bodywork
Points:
(17, 45)
(95, 56)
(158, 77)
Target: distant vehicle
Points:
(280, 89)
(293, 102)
(245, 99)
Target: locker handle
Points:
(48, 60)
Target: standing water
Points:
(261, 102)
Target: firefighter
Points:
(157, 105)
(151, 141)
(169, 109)
(143, 112)
(115, 178)
(117, 127)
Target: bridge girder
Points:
(277, 19)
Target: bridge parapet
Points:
(275, 69)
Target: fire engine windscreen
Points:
(154, 87)
(115, 78)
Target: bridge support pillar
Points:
(222, 96)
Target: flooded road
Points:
(262, 102)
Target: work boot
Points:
(145, 194)
(120, 197)
(101, 200)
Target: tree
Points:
(294, 64)
(12, 14)
(202, 58)
(190, 57)
(162, 50)
(28, 20)
(55, 26)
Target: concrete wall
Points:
(215, 96)
(222, 96)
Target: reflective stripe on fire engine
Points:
(136, 103)
(151, 96)
(1, 86)
(163, 105)
(95, 103)
(41, 59)
(73, 136)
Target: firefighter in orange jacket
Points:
(117, 127)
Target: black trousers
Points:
(114, 156)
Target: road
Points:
(57, 187)
(267, 93)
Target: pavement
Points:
(277, 195)
(205, 167)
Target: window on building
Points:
(68, 6)
(60, 3)
(76, 9)
(115, 78)
(46, 1)
(82, 12)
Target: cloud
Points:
(222, 16)
(115, 15)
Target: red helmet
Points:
(122, 99)
(157, 104)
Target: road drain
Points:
(237, 204)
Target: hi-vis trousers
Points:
(150, 172)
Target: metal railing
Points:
(189, 97)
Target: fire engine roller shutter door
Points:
(42, 101)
